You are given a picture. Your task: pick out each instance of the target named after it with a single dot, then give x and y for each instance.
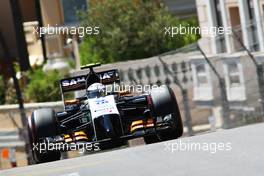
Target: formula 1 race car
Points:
(106, 118)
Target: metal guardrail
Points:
(10, 139)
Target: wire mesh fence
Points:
(180, 70)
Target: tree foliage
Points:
(43, 87)
(129, 30)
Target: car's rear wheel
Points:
(112, 144)
(164, 104)
(41, 124)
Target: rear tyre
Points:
(112, 144)
(164, 104)
(151, 139)
(41, 124)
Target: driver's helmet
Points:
(96, 90)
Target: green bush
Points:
(10, 95)
(129, 30)
(43, 87)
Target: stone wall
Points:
(10, 115)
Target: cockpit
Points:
(96, 90)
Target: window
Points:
(201, 75)
(234, 77)
(202, 89)
(71, 8)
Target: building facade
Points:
(245, 17)
(228, 55)
(61, 13)
(12, 15)
(52, 13)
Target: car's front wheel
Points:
(165, 105)
(42, 123)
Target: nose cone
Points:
(108, 126)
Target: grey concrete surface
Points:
(240, 152)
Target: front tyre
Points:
(165, 105)
(41, 124)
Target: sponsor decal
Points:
(77, 83)
(103, 106)
(73, 81)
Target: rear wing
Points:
(79, 82)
